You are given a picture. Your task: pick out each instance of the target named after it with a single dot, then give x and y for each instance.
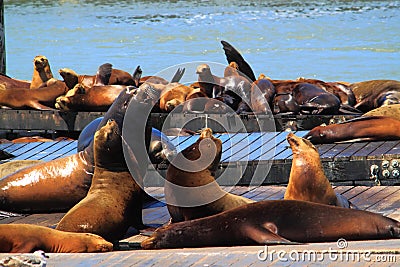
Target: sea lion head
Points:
(318, 135)
(299, 145)
(108, 146)
(40, 62)
(70, 77)
(64, 102)
(204, 148)
(203, 69)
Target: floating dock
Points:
(367, 173)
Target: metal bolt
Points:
(394, 163)
(374, 169)
(385, 164)
(395, 173)
(386, 173)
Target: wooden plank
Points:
(259, 146)
(330, 154)
(323, 148)
(375, 195)
(269, 151)
(243, 148)
(42, 146)
(388, 203)
(383, 148)
(350, 150)
(67, 150)
(369, 148)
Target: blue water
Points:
(328, 40)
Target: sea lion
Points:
(307, 179)
(261, 95)
(340, 89)
(59, 184)
(41, 98)
(27, 238)
(118, 77)
(314, 100)
(15, 165)
(97, 98)
(271, 222)
(392, 111)
(10, 83)
(173, 95)
(41, 72)
(374, 128)
(114, 200)
(374, 93)
(199, 185)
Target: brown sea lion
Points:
(261, 95)
(29, 139)
(374, 128)
(59, 184)
(41, 72)
(275, 222)
(307, 179)
(15, 165)
(41, 98)
(392, 111)
(340, 89)
(10, 83)
(201, 195)
(209, 83)
(26, 238)
(314, 100)
(118, 77)
(173, 95)
(232, 69)
(375, 93)
(114, 200)
(97, 98)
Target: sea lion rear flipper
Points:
(137, 74)
(178, 75)
(103, 74)
(264, 235)
(233, 55)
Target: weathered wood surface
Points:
(380, 199)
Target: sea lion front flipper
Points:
(264, 235)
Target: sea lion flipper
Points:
(137, 74)
(264, 235)
(103, 74)
(233, 55)
(178, 75)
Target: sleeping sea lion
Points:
(271, 222)
(392, 111)
(374, 128)
(27, 238)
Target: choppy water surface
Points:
(329, 40)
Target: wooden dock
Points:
(347, 165)
(380, 199)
